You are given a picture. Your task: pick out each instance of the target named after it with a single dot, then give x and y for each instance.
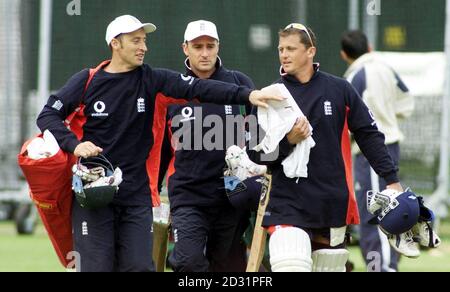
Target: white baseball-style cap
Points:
(200, 28)
(126, 24)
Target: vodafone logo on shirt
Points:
(100, 108)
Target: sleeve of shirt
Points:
(369, 139)
(404, 101)
(359, 81)
(179, 86)
(59, 106)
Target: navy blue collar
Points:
(189, 71)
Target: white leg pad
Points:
(330, 260)
(290, 250)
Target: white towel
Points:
(277, 121)
(44, 147)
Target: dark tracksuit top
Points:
(326, 198)
(120, 110)
(196, 176)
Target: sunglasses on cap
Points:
(300, 27)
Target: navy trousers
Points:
(114, 238)
(204, 238)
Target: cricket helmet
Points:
(398, 212)
(93, 182)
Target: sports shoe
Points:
(404, 244)
(427, 236)
(240, 165)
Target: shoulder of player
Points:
(75, 84)
(150, 71)
(241, 77)
(162, 75)
(238, 74)
(79, 77)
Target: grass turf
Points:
(35, 253)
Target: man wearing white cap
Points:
(116, 106)
(202, 216)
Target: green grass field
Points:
(435, 260)
(35, 253)
(26, 253)
(430, 261)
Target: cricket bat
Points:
(160, 245)
(259, 235)
(161, 230)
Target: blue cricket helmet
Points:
(426, 215)
(400, 214)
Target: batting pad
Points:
(290, 250)
(330, 260)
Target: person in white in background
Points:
(389, 100)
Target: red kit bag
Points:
(50, 183)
